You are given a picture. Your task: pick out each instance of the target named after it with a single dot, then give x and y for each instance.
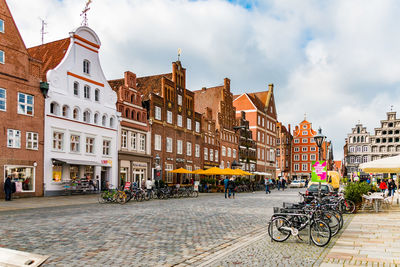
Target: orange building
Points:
(305, 150)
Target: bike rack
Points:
(295, 214)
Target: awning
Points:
(262, 173)
(180, 170)
(384, 165)
(79, 162)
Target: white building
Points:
(81, 119)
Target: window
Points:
(352, 149)
(75, 114)
(258, 153)
(234, 153)
(75, 139)
(296, 157)
(142, 143)
(58, 141)
(157, 142)
(304, 132)
(205, 153)
(312, 157)
(1, 25)
(211, 154)
(258, 136)
(13, 138)
(296, 149)
(86, 66)
(169, 117)
(296, 167)
(197, 127)
(304, 140)
(179, 100)
(157, 111)
(169, 167)
(263, 122)
(124, 139)
(112, 122)
(296, 141)
(86, 92)
(258, 120)
(179, 122)
(223, 152)
(209, 126)
(54, 108)
(106, 147)
(216, 155)
(86, 116)
(188, 148)
(358, 148)
(76, 88)
(32, 140)
(169, 145)
(365, 159)
(304, 157)
(3, 99)
(2, 56)
(262, 154)
(229, 152)
(133, 141)
(26, 176)
(304, 149)
(179, 147)
(304, 167)
(25, 104)
(97, 95)
(96, 118)
(313, 148)
(189, 124)
(365, 148)
(262, 137)
(90, 145)
(197, 151)
(65, 111)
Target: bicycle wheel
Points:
(320, 233)
(102, 197)
(147, 196)
(332, 221)
(195, 193)
(121, 197)
(349, 206)
(279, 229)
(339, 216)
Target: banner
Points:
(318, 171)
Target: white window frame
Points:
(76, 88)
(25, 104)
(60, 141)
(313, 157)
(205, 153)
(304, 157)
(313, 148)
(169, 145)
(107, 147)
(179, 100)
(296, 141)
(179, 120)
(189, 123)
(124, 139)
(133, 140)
(197, 127)
(296, 149)
(234, 153)
(223, 152)
(1, 25)
(188, 148)
(86, 91)
(179, 147)
(211, 154)
(304, 167)
(75, 143)
(86, 116)
(304, 140)
(296, 167)
(89, 146)
(262, 154)
(97, 95)
(229, 152)
(304, 149)
(86, 66)
(142, 142)
(216, 155)
(296, 157)
(157, 113)
(169, 117)
(157, 142)
(15, 137)
(169, 175)
(3, 99)
(32, 140)
(197, 150)
(304, 132)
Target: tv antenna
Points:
(42, 30)
(84, 13)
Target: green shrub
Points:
(354, 191)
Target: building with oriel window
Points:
(81, 120)
(21, 111)
(134, 158)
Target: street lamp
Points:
(319, 139)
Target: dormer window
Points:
(86, 66)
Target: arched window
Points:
(132, 98)
(127, 113)
(96, 118)
(103, 120)
(76, 114)
(86, 66)
(86, 116)
(76, 89)
(54, 108)
(354, 139)
(86, 91)
(97, 95)
(358, 139)
(65, 111)
(377, 140)
(362, 139)
(138, 116)
(133, 114)
(112, 122)
(358, 129)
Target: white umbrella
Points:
(385, 165)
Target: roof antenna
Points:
(42, 31)
(179, 53)
(84, 13)
(391, 107)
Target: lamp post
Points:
(319, 139)
(157, 168)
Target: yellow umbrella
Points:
(198, 171)
(242, 172)
(229, 171)
(213, 171)
(180, 170)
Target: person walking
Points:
(283, 183)
(226, 182)
(278, 183)
(391, 187)
(306, 183)
(149, 187)
(8, 188)
(383, 186)
(231, 187)
(267, 186)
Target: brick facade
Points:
(283, 151)
(19, 80)
(247, 145)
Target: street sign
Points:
(318, 171)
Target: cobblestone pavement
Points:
(156, 233)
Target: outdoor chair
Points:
(366, 202)
(388, 201)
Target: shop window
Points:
(74, 172)
(24, 177)
(57, 172)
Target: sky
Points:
(337, 62)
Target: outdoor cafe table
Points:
(377, 199)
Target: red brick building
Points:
(283, 151)
(211, 141)
(247, 145)
(220, 100)
(134, 158)
(175, 126)
(21, 111)
(261, 113)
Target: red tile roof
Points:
(152, 84)
(50, 54)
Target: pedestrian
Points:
(283, 183)
(8, 188)
(306, 183)
(391, 187)
(278, 183)
(267, 187)
(231, 187)
(383, 186)
(149, 187)
(226, 182)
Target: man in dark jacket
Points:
(8, 188)
(226, 181)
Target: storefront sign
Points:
(139, 164)
(106, 162)
(318, 171)
(127, 186)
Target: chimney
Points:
(289, 128)
(271, 87)
(204, 89)
(130, 79)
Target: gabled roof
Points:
(50, 54)
(260, 99)
(151, 84)
(115, 84)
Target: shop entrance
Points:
(139, 176)
(104, 179)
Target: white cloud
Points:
(335, 60)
